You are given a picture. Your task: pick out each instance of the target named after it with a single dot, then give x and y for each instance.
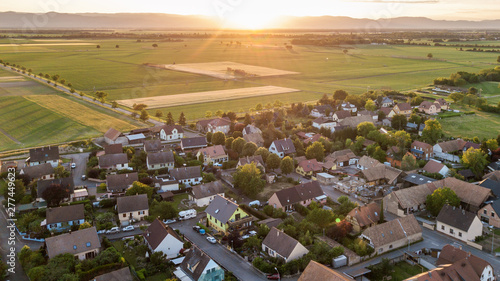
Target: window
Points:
(451, 230)
(124, 215)
(492, 214)
(460, 234)
(88, 244)
(390, 246)
(380, 250)
(485, 212)
(442, 227)
(74, 247)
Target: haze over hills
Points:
(14, 20)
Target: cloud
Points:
(396, 1)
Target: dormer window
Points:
(74, 247)
(88, 244)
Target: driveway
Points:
(80, 159)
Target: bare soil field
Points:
(11, 78)
(204, 97)
(220, 69)
(46, 44)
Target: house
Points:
(66, 183)
(193, 143)
(309, 167)
(415, 128)
(387, 102)
(41, 155)
(386, 111)
(113, 136)
(160, 160)
(255, 138)
(133, 207)
(347, 106)
(213, 154)
(257, 160)
(303, 194)
(408, 200)
(225, 216)
(394, 156)
(459, 224)
(6, 166)
(38, 172)
(136, 139)
(203, 194)
(456, 264)
(367, 162)
(493, 176)
(373, 114)
(321, 111)
(381, 174)
(422, 150)
(416, 179)
(340, 115)
(393, 234)
(326, 179)
(61, 218)
(187, 175)
(120, 182)
(449, 150)
(198, 266)
(113, 149)
(492, 185)
(436, 167)
(251, 129)
(152, 146)
(429, 108)
(401, 109)
(113, 161)
(165, 183)
(342, 158)
(362, 217)
(83, 244)
(166, 196)
(442, 103)
(282, 147)
(316, 271)
(160, 237)
(278, 244)
(314, 138)
(145, 131)
(214, 125)
(168, 132)
(323, 122)
(354, 121)
(122, 274)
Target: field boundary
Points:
(9, 136)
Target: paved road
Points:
(80, 159)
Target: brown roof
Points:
(186, 173)
(156, 233)
(314, 138)
(112, 134)
(271, 222)
(42, 154)
(311, 165)
(392, 231)
(413, 196)
(219, 122)
(450, 254)
(193, 142)
(213, 151)
(367, 112)
(122, 274)
(166, 195)
(427, 105)
(441, 101)
(433, 166)
(453, 145)
(386, 110)
(255, 138)
(280, 242)
(322, 108)
(382, 171)
(285, 145)
(38, 170)
(366, 215)
(113, 149)
(73, 243)
(341, 114)
(354, 121)
(132, 203)
(66, 183)
(323, 120)
(207, 189)
(421, 145)
(65, 214)
(456, 217)
(341, 156)
(316, 271)
(152, 145)
(257, 159)
(160, 157)
(368, 142)
(110, 160)
(197, 260)
(493, 175)
(368, 162)
(298, 193)
(403, 106)
(121, 181)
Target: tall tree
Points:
(287, 165)
(365, 127)
(316, 151)
(409, 163)
(182, 119)
(140, 188)
(441, 196)
(170, 119)
(370, 105)
(248, 119)
(144, 115)
(228, 142)
(398, 122)
(248, 180)
(273, 161)
(238, 144)
(218, 138)
(340, 95)
(249, 149)
(54, 194)
(476, 160)
(432, 131)
(263, 152)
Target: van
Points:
(188, 214)
(255, 204)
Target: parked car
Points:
(245, 237)
(211, 239)
(196, 228)
(73, 165)
(252, 233)
(128, 228)
(84, 177)
(275, 276)
(169, 221)
(115, 229)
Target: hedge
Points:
(88, 275)
(256, 213)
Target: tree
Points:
(249, 149)
(320, 217)
(287, 165)
(19, 190)
(409, 163)
(263, 152)
(316, 151)
(339, 230)
(379, 154)
(208, 114)
(84, 225)
(209, 136)
(248, 119)
(159, 114)
(432, 131)
(182, 119)
(218, 138)
(398, 122)
(155, 45)
(415, 118)
(228, 142)
(144, 115)
(55, 193)
(429, 55)
(476, 160)
(498, 59)
(248, 179)
(219, 113)
(457, 96)
(440, 197)
(140, 188)
(253, 243)
(273, 161)
(60, 172)
(365, 127)
(164, 209)
(101, 96)
(208, 177)
(114, 104)
(370, 105)
(98, 46)
(238, 144)
(340, 95)
(170, 119)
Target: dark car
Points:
(275, 276)
(196, 228)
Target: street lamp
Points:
(279, 275)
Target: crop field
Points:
(204, 97)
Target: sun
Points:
(250, 21)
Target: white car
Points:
(245, 237)
(128, 228)
(115, 229)
(169, 221)
(252, 233)
(211, 240)
(73, 165)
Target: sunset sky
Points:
(246, 12)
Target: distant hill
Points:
(13, 20)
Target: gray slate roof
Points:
(122, 274)
(73, 243)
(65, 214)
(193, 142)
(298, 193)
(284, 145)
(157, 231)
(66, 183)
(132, 203)
(120, 181)
(197, 260)
(186, 173)
(280, 242)
(160, 157)
(152, 145)
(456, 217)
(38, 170)
(109, 160)
(47, 153)
(221, 208)
(207, 189)
(113, 149)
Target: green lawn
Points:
(404, 270)
(481, 124)
(177, 201)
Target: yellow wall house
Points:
(225, 216)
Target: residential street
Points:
(80, 159)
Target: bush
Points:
(88, 275)
(254, 212)
(262, 265)
(301, 209)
